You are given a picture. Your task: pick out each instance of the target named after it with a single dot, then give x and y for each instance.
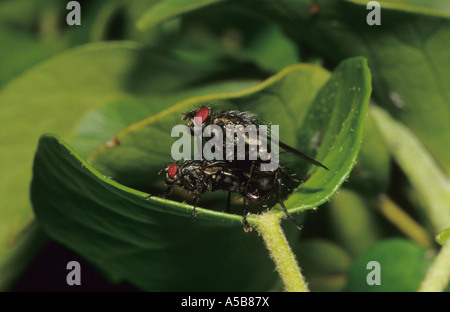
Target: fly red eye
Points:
(202, 113)
(172, 171)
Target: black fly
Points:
(205, 116)
(258, 187)
(262, 188)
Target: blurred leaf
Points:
(272, 50)
(372, 171)
(238, 34)
(170, 8)
(403, 265)
(324, 264)
(403, 221)
(231, 33)
(23, 51)
(429, 182)
(51, 97)
(352, 221)
(24, 13)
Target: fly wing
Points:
(292, 150)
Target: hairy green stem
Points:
(268, 226)
(438, 274)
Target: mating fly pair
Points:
(241, 175)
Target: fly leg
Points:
(287, 175)
(168, 191)
(198, 189)
(196, 199)
(278, 179)
(165, 194)
(197, 193)
(247, 226)
(283, 171)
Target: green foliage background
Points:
(133, 65)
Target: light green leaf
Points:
(23, 52)
(50, 97)
(426, 177)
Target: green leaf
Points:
(152, 243)
(426, 177)
(56, 94)
(131, 162)
(402, 264)
(148, 242)
(372, 171)
(23, 51)
(49, 97)
(335, 115)
(238, 35)
(352, 222)
(270, 49)
(337, 118)
(102, 124)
